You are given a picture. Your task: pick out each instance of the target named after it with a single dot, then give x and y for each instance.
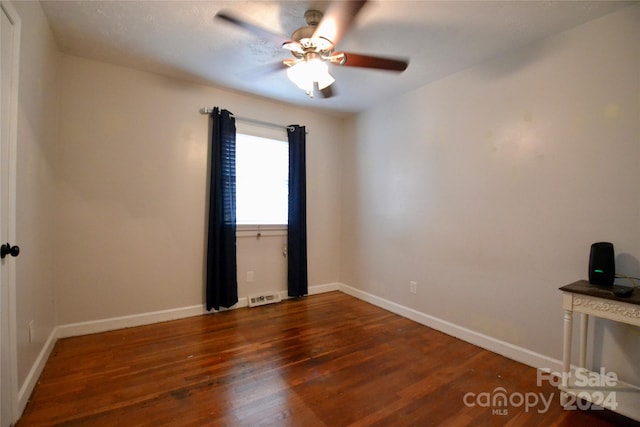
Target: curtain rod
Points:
(206, 110)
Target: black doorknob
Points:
(7, 249)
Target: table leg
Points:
(566, 354)
(584, 325)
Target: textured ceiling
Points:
(181, 39)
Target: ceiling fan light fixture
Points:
(309, 71)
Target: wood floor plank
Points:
(324, 360)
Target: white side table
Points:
(590, 300)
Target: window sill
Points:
(257, 231)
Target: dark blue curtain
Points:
(297, 226)
(221, 274)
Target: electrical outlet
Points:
(413, 287)
(250, 276)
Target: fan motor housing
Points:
(303, 33)
(304, 36)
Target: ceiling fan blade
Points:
(275, 38)
(337, 20)
(262, 71)
(365, 61)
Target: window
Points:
(262, 180)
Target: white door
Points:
(9, 41)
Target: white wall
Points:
(37, 118)
(489, 186)
(131, 165)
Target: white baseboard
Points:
(34, 373)
(103, 325)
(327, 287)
(315, 289)
(514, 352)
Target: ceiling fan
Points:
(312, 46)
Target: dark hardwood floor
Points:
(324, 360)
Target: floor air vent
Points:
(263, 299)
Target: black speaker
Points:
(602, 264)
